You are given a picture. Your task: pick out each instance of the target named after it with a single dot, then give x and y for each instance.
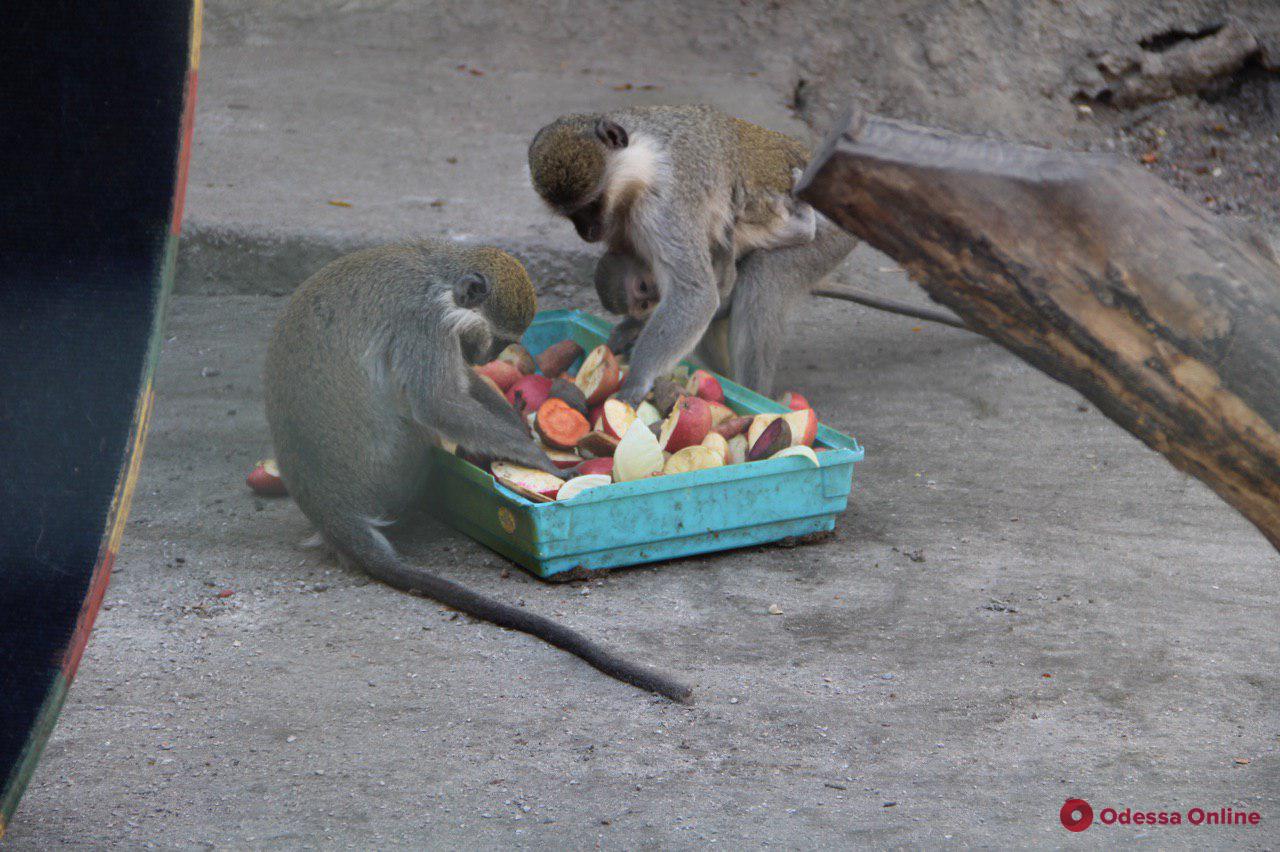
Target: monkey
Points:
(367, 368)
(669, 186)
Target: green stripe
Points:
(21, 775)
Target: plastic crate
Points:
(666, 517)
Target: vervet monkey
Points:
(687, 191)
(368, 368)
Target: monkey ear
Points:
(611, 134)
(471, 290)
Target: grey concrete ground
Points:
(1021, 604)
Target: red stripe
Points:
(88, 612)
(184, 158)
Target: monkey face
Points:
(588, 220)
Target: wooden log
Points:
(1163, 315)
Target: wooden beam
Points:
(1163, 315)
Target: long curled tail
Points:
(369, 549)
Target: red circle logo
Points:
(1076, 815)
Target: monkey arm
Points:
(688, 300)
(624, 335)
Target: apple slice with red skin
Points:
(558, 357)
(704, 386)
(529, 393)
(720, 413)
(804, 426)
(688, 423)
(265, 479)
(603, 465)
(559, 425)
(600, 376)
(795, 401)
(562, 458)
(504, 375)
(535, 485)
(616, 417)
(519, 357)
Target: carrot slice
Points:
(559, 425)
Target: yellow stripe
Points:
(197, 30)
(124, 495)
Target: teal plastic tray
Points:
(647, 521)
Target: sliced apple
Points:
(704, 386)
(794, 401)
(577, 485)
(562, 459)
(519, 357)
(718, 443)
(535, 485)
(758, 424)
(558, 357)
(598, 444)
(265, 479)
(693, 458)
(688, 423)
(616, 417)
(648, 413)
(798, 450)
(602, 465)
(504, 375)
(529, 393)
(804, 426)
(775, 437)
(737, 449)
(600, 376)
(720, 413)
(638, 455)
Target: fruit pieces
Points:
(798, 450)
(794, 401)
(772, 439)
(733, 426)
(519, 357)
(705, 386)
(504, 375)
(559, 425)
(562, 458)
(693, 458)
(648, 413)
(688, 423)
(265, 479)
(737, 452)
(602, 465)
(598, 444)
(600, 376)
(529, 393)
(576, 486)
(718, 443)
(638, 455)
(616, 417)
(559, 357)
(666, 394)
(569, 392)
(803, 425)
(532, 484)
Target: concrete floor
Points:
(1022, 604)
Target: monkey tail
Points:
(370, 550)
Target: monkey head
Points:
(495, 301)
(567, 160)
(625, 285)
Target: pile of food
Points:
(684, 425)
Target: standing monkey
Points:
(368, 367)
(688, 191)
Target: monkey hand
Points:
(624, 336)
(635, 388)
